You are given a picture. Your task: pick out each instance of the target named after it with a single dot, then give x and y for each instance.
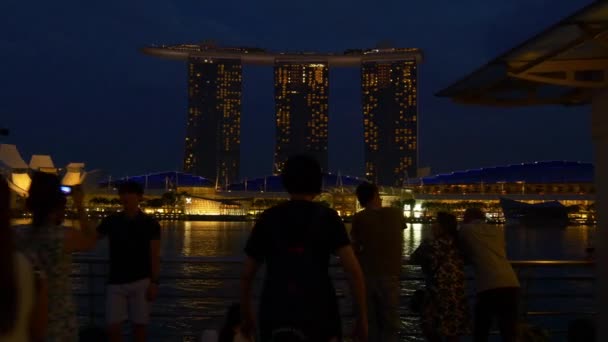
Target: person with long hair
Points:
(51, 244)
(445, 313)
(23, 299)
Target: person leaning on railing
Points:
(23, 293)
(50, 245)
(497, 286)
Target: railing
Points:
(561, 282)
(553, 292)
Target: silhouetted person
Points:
(377, 234)
(496, 283)
(50, 245)
(294, 240)
(23, 294)
(134, 244)
(445, 312)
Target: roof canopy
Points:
(163, 180)
(275, 184)
(42, 163)
(11, 158)
(350, 58)
(561, 65)
(547, 172)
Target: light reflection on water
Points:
(200, 292)
(210, 239)
(227, 239)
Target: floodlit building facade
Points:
(301, 87)
(302, 111)
(212, 146)
(390, 120)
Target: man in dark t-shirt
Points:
(295, 240)
(134, 248)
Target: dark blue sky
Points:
(74, 85)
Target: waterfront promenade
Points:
(196, 292)
(202, 261)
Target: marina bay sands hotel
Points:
(389, 82)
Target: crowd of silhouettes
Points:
(294, 241)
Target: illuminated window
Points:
(301, 92)
(389, 111)
(214, 119)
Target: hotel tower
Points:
(389, 81)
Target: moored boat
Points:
(550, 213)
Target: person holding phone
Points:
(50, 245)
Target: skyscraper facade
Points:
(390, 119)
(214, 119)
(390, 109)
(301, 103)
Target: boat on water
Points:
(547, 214)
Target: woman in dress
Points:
(23, 297)
(50, 245)
(445, 312)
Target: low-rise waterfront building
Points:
(569, 183)
(179, 195)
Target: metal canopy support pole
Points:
(599, 131)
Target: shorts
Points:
(128, 301)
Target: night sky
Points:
(75, 86)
